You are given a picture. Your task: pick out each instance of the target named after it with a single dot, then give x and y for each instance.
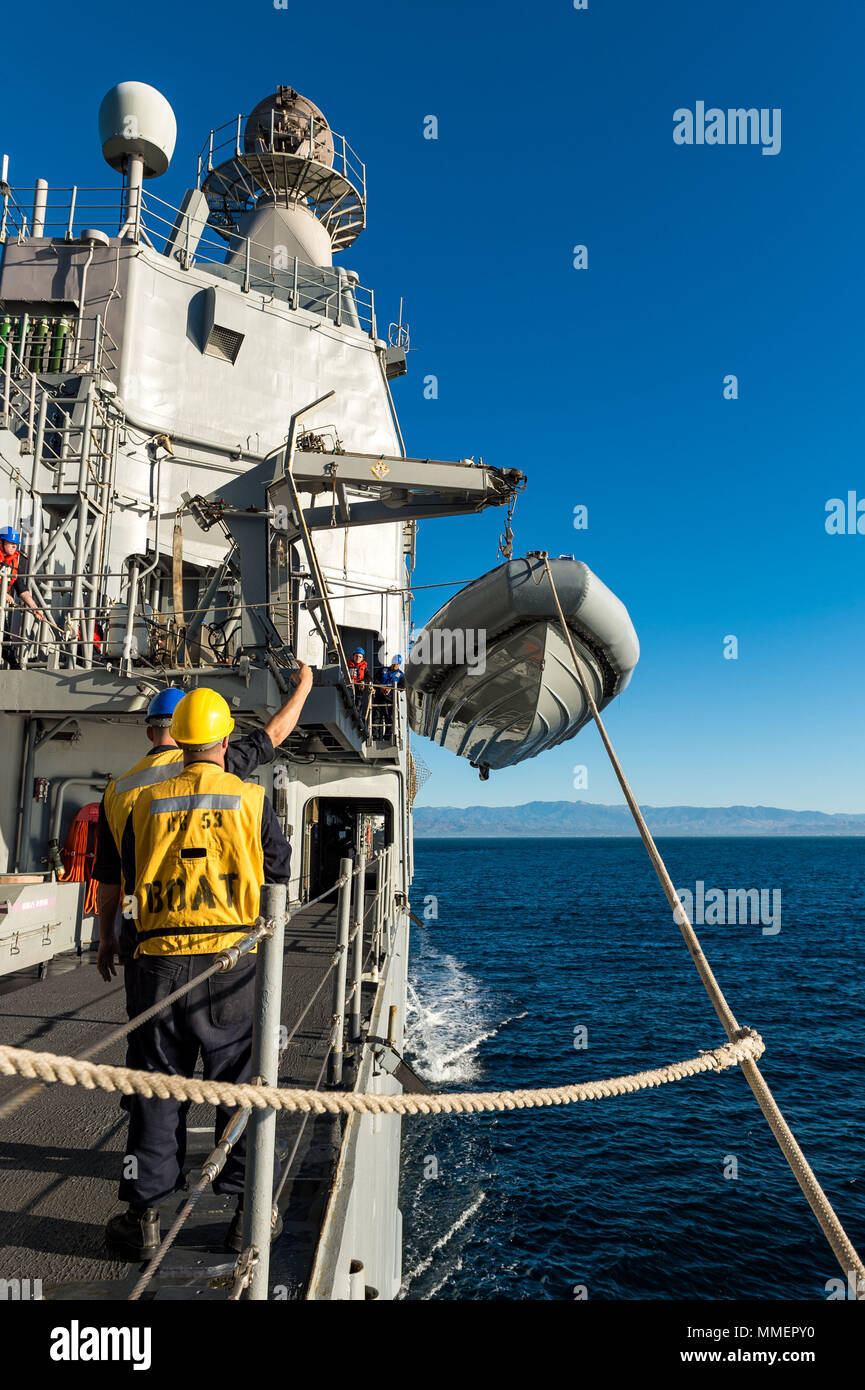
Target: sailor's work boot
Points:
(135, 1233)
(234, 1234)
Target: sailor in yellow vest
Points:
(195, 851)
(160, 762)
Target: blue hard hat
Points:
(397, 659)
(9, 533)
(358, 651)
(163, 705)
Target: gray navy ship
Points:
(200, 454)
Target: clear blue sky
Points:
(555, 128)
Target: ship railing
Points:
(31, 401)
(227, 142)
(83, 629)
(75, 439)
(132, 633)
(73, 630)
(382, 709)
(80, 454)
(360, 922)
(329, 291)
(13, 218)
(37, 345)
(56, 213)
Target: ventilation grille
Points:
(223, 343)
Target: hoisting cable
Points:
(819, 1203)
(506, 539)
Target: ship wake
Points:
(432, 1257)
(448, 1018)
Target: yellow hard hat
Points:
(201, 718)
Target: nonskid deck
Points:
(61, 1154)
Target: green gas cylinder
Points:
(58, 344)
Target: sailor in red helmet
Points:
(12, 563)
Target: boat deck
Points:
(60, 1155)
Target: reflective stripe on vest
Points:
(122, 794)
(199, 863)
(201, 801)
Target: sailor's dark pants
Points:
(126, 942)
(383, 716)
(13, 634)
(214, 1021)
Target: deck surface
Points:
(60, 1155)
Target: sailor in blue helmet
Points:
(13, 563)
(391, 680)
(357, 666)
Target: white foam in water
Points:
(424, 1264)
(482, 1037)
(448, 1018)
(450, 1274)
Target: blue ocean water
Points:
(631, 1197)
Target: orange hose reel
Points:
(79, 853)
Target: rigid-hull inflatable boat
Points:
(490, 676)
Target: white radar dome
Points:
(135, 119)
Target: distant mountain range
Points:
(562, 818)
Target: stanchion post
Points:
(343, 916)
(379, 904)
(258, 1193)
(357, 957)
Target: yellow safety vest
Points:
(122, 793)
(199, 864)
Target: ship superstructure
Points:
(199, 446)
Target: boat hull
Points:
(519, 694)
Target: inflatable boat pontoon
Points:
(490, 676)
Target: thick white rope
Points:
(73, 1071)
(844, 1250)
